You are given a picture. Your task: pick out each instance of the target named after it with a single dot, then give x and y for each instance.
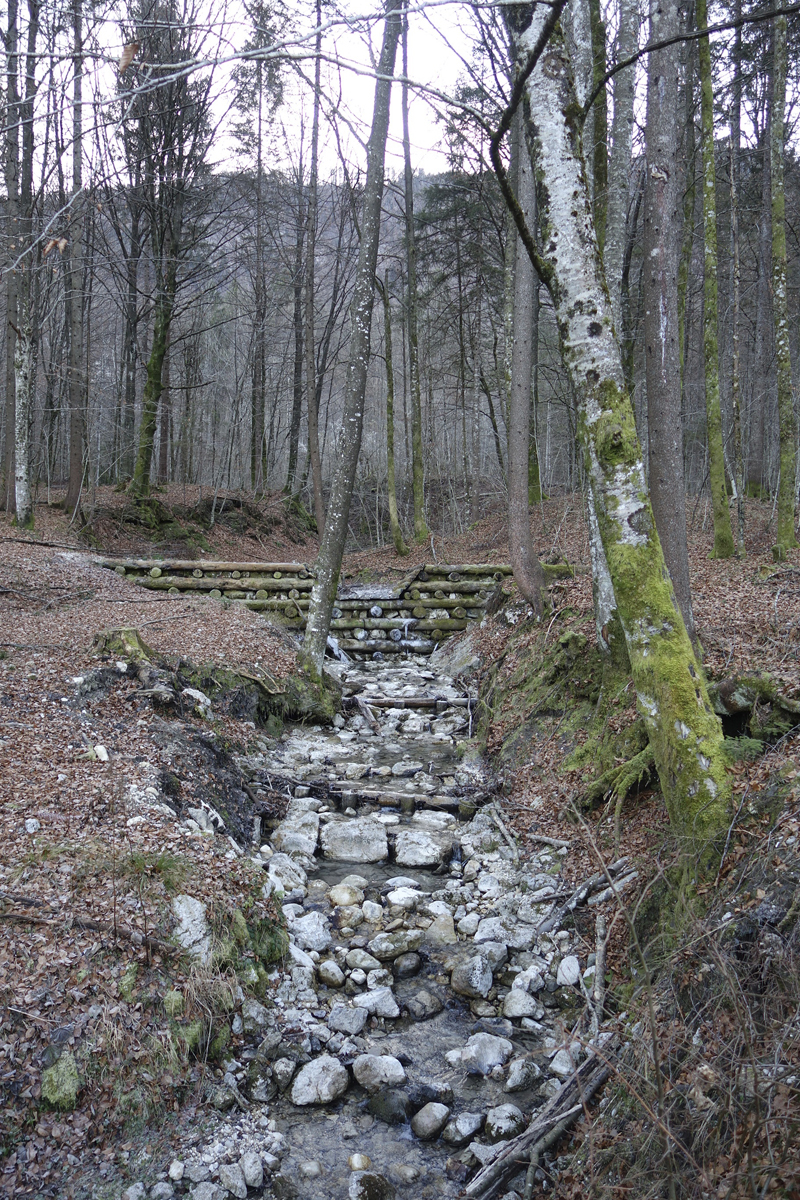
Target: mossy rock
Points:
(239, 928)
(219, 1042)
(61, 1083)
(270, 941)
(299, 697)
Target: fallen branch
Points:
(131, 935)
(511, 843)
(582, 893)
(556, 1115)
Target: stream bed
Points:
(420, 1015)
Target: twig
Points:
(511, 843)
(21, 1013)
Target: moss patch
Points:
(60, 1083)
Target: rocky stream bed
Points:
(422, 1012)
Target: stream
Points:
(418, 1002)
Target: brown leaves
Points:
(128, 55)
(60, 242)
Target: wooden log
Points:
(442, 624)
(565, 1106)
(276, 605)
(388, 799)
(177, 564)
(387, 647)
(187, 583)
(463, 588)
(373, 623)
(420, 702)
(442, 570)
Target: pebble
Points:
(252, 1169)
(569, 971)
(376, 1071)
(430, 1121)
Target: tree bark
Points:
(417, 458)
(786, 539)
(75, 297)
(685, 735)
(329, 560)
(736, 382)
(620, 164)
(12, 233)
(528, 573)
(312, 400)
(391, 486)
(27, 344)
(297, 373)
(662, 229)
(723, 534)
(600, 148)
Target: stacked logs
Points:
(432, 603)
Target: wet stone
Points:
(423, 1005)
(369, 1185)
(391, 1106)
(504, 1122)
(346, 1019)
(430, 1121)
(376, 1071)
(405, 966)
(463, 1128)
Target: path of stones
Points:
(415, 1023)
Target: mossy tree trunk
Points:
(685, 734)
(723, 534)
(528, 573)
(786, 539)
(165, 299)
(417, 460)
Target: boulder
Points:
(376, 1071)
(321, 1081)
(360, 960)
(472, 978)
(369, 1185)
(407, 965)
(503, 1122)
(388, 946)
(522, 1074)
(483, 1052)
(192, 934)
(569, 971)
(252, 1169)
(297, 832)
(519, 1004)
(345, 1019)
(312, 931)
(496, 929)
(344, 895)
(232, 1179)
(430, 1121)
(361, 840)
(285, 875)
(463, 1128)
(469, 924)
(423, 1005)
(391, 1106)
(414, 848)
(561, 1065)
(441, 931)
(378, 1003)
(330, 973)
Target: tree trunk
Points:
(130, 340)
(528, 573)
(723, 534)
(257, 472)
(736, 383)
(417, 459)
(620, 165)
(600, 108)
(75, 296)
(297, 373)
(329, 560)
(391, 487)
(662, 229)
(786, 539)
(12, 233)
(25, 357)
(757, 482)
(312, 400)
(685, 735)
(165, 415)
(162, 317)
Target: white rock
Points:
(286, 875)
(297, 832)
(430, 1121)
(561, 1064)
(405, 769)
(402, 881)
(469, 924)
(312, 931)
(358, 959)
(344, 1018)
(254, 1015)
(176, 1170)
(414, 848)
(344, 895)
(483, 1052)
(379, 1003)
(192, 933)
(372, 912)
(405, 897)
(321, 1081)
(101, 753)
(252, 1169)
(442, 931)
(32, 825)
(519, 1004)
(569, 971)
(300, 958)
(375, 1071)
(503, 1122)
(361, 840)
(522, 1074)
(529, 980)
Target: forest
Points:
(435, 366)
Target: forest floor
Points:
(70, 849)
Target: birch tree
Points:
(619, 166)
(417, 464)
(329, 559)
(685, 735)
